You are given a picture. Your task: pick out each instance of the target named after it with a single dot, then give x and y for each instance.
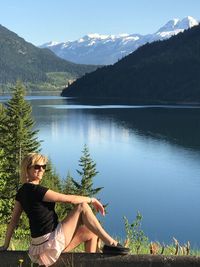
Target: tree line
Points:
(159, 72)
(22, 60)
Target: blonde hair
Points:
(29, 160)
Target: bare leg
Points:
(83, 235)
(82, 214)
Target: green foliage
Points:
(1, 110)
(50, 178)
(87, 172)
(55, 82)
(3, 228)
(21, 233)
(60, 79)
(68, 187)
(135, 235)
(53, 181)
(5, 204)
(160, 72)
(18, 137)
(2, 123)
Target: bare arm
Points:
(52, 196)
(17, 211)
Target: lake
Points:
(148, 158)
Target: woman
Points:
(49, 237)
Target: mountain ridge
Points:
(107, 49)
(160, 72)
(22, 60)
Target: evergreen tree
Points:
(87, 172)
(17, 138)
(69, 186)
(85, 187)
(2, 122)
(5, 203)
(1, 109)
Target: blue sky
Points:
(40, 21)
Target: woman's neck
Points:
(33, 182)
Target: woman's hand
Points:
(3, 248)
(98, 206)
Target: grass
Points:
(136, 240)
(17, 244)
(56, 81)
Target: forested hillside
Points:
(24, 61)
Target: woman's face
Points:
(36, 171)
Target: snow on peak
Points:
(177, 24)
(187, 22)
(52, 43)
(49, 44)
(97, 36)
(123, 35)
(81, 40)
(95, 48)
(169, 26)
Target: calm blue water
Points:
(148, 160)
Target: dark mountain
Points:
(163, 71)
(22, 60)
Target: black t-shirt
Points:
(41, 214)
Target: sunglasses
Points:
(37, 166)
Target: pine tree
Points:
(69, 186)
(2, 122)
(17, 138)
(5, 205)
(87, 172)
(85, 187)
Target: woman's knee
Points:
(83, 206)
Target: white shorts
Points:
(46, 249)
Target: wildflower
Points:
(20, 262)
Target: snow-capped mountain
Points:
(107, 49)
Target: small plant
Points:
(135, 235)
(21, 262)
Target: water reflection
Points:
(179, 126)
